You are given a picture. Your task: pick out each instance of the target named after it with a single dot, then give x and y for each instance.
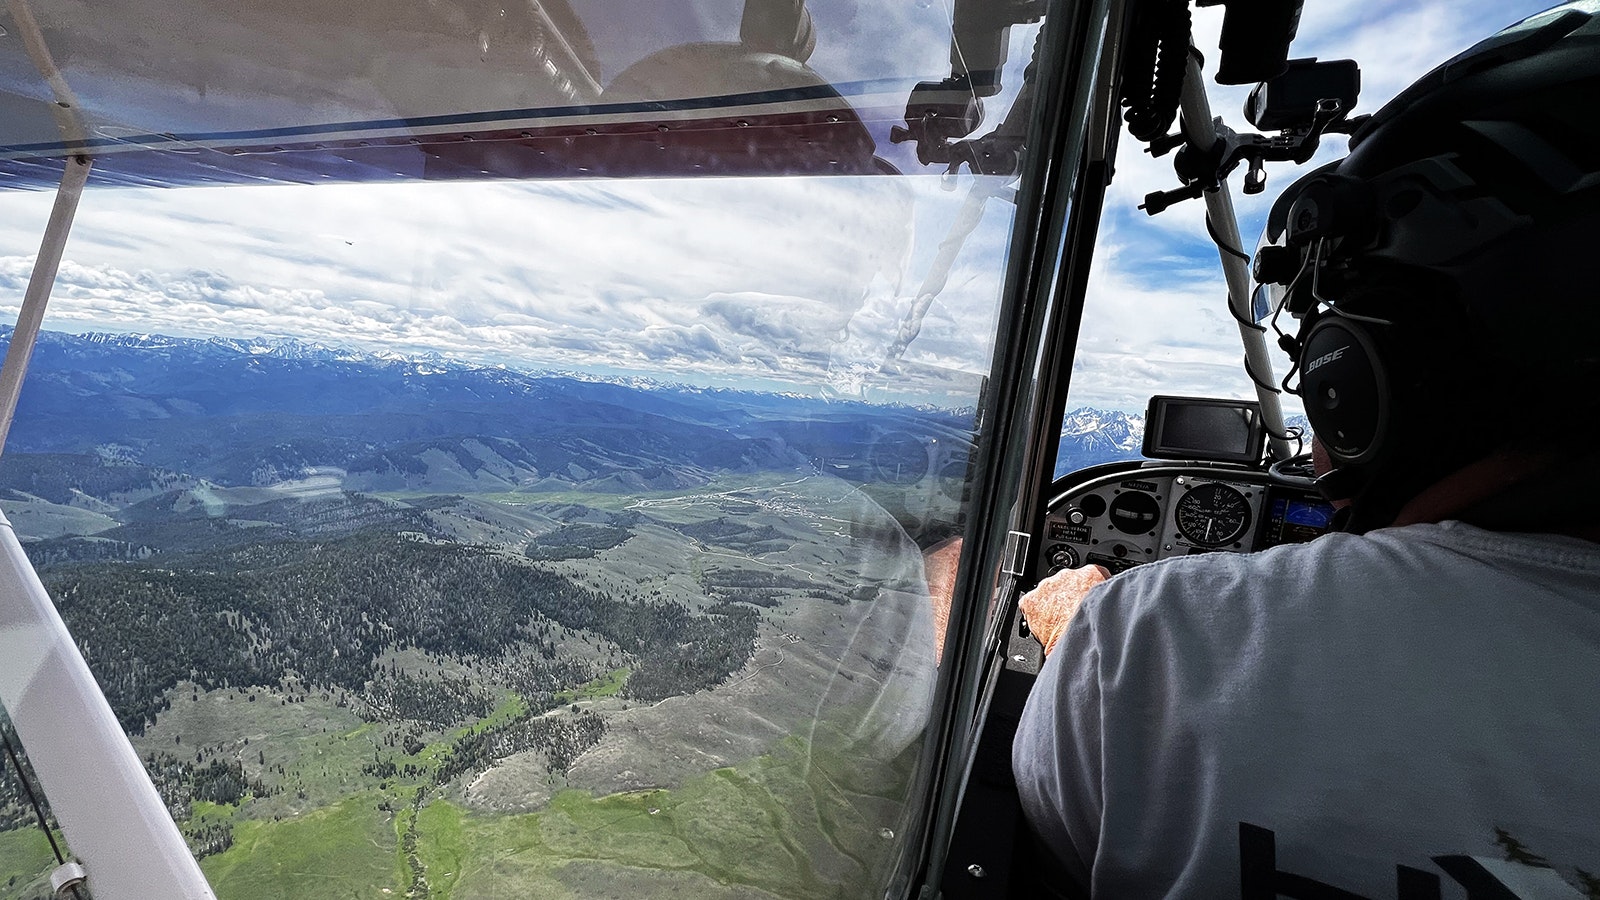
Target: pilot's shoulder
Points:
(1296, 585)
(1205, 573)
(1206, 590)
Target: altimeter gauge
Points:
(1212, 515)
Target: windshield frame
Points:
(1073, 136)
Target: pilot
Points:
(1409, 708)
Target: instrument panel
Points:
(1139, 515)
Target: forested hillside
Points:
(324, 611)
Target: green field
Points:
(342, 851)
(35, 519)
(25, 862)
(783, 825)
(787, 824)
(608, 685)
(799, 821)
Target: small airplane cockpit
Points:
(731, 448)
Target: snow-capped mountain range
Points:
(304, 405)
(1093, 436)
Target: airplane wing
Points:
(196, 92)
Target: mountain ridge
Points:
(245, 411)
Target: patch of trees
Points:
(736, 533)
(221, 781)
(753, 578)
(345, 513)
(439, 703)
(435, 501)
(757, 587)
(764, 599)
(325, 610)
(173, 524)
(408, 843)
(562, 737)
(83, 549)
(696, 662)
(206, 838)
(724, 608)
(170, 525)
(199, 536)
(539, 680)
(581, 541)
(214, 780)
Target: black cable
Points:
(1244, 322)
(1264, 385)
(1226, 248)
(1293, 391)
(27, 788)
(1222, 245)
(1156, 58)
(1292, 433)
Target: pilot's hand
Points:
(1051, 605)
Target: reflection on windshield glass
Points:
(477, 540)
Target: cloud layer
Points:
(799, 284)
(788, 282)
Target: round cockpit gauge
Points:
(1212, 515)
(1134, 512)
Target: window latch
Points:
(1015, 561)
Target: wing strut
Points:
(38, 293)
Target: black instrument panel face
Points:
(1213, 514)
(1140, 515)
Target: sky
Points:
(783, 284)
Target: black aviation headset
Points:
(1450, 265)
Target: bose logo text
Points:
(1325, 358)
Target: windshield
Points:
(517, 539)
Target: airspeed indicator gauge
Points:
(1212, 515)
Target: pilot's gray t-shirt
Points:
(1396, 714)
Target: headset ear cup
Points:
(1346, 389)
